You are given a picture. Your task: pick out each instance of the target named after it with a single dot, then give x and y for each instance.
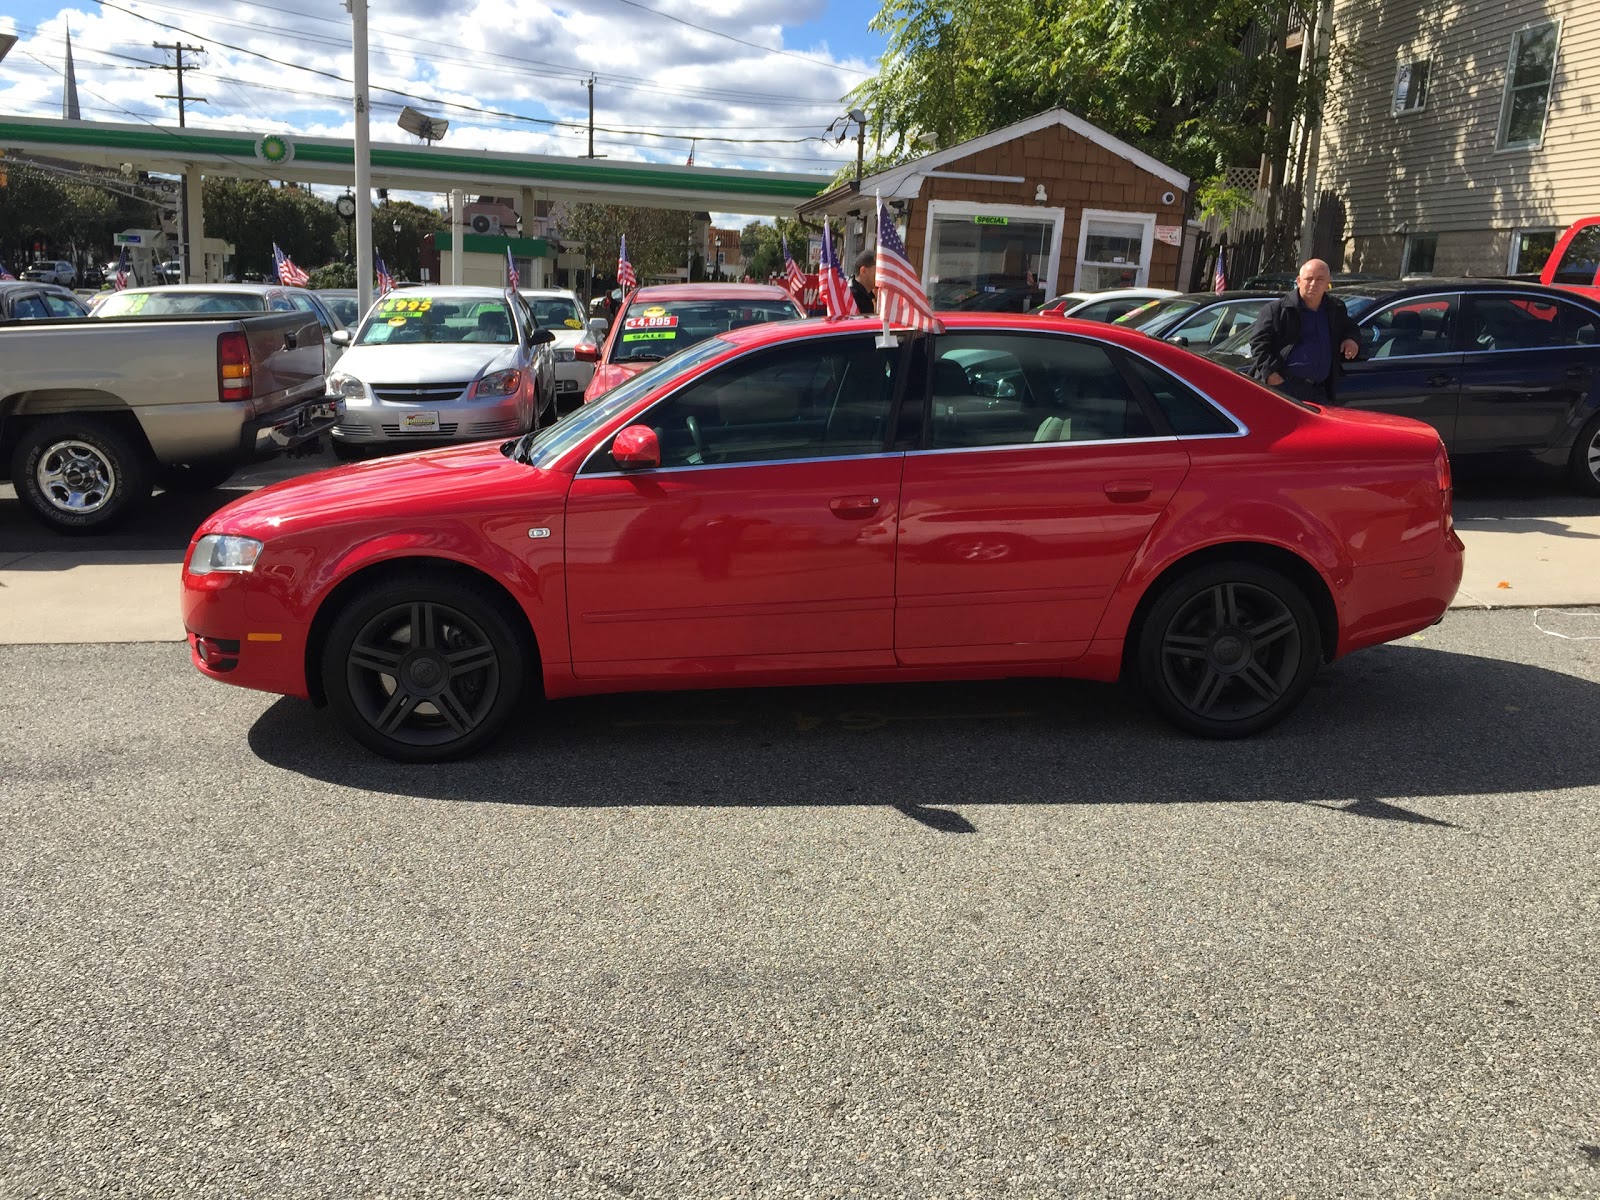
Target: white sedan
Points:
(435, 365)
(1102, 306)
(560, 311)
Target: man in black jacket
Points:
(1299, 341)
(864, 286)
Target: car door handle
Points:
(1577, 372)
(854, 508)
(291, 340)
(1439, 381)
(1128, 491)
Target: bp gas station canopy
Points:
(276, 155)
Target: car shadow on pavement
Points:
(1377, 728)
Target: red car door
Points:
(765, 540)
(1042, 477)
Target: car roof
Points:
(710, 291)
(1432, 285)
(460, 292)
(772, 332)
(550, 293)
(1230, 294)
(249, 289)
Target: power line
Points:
(753, 45)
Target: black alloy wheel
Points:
(1228, 650)
(424, 669)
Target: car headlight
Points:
(565, 355)
(340, 384)
(501, 383)
(224, 552)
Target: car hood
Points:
(437, 485)
(426, 364)
(567, 338)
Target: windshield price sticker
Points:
(573, 323)
(650, 322)
(405, 304)
(656, 335)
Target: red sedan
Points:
(656, 322)
(791, 503)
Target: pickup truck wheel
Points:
(423, 669)
(195, 477)
(79, 475)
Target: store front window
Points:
(991, 258)
(1114, 250)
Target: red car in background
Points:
(1574, 263)
(794, 504)
(656, 322)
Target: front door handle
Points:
(1129, 491)
(1439, 381)
(854, 508)
(291, 340)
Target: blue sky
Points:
(660, 81)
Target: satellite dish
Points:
(429, 129)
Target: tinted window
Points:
(1214, 324)
(806, 400)
(1189, 413)
(1104, 310)
(346, 308)
(1422, 326)
(64, 306)
(305, 304)
(29, 308)
(653, 329)
(1527, 323)
(1012, 389)
(1581, 259)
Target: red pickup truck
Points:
(1575, 262)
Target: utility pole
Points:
(178, 49)
(591, 116)
(363, 155)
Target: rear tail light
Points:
(1441, 470)
(233, 367)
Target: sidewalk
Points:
(76, 595)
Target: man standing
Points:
(1293, 341)
(863, 284)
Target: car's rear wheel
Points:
(1228, 649)
(79, 474)
(1584, 466)
(424, 669)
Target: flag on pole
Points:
(5, 274)
(900, 296)
(288, 274)
(122, 270)
(836, 297)
(385, 280)
(690, 163)
(794, 279)
(626, 279)
(512, 278)
(1219, 277)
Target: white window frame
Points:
(1146, 247)
(1500, 143)
(1023, 212)
(1395, 107)
(1513, 252)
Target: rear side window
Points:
(1189, 413)
(1528, 323)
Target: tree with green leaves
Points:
(253, 215)
(658, 238)
(762, 246)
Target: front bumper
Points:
(242, 634)
(384, 422)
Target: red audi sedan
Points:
(794, 503)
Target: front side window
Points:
(1528, 323)
(1411, 86)
(1529, 75)
(804, 400)
(1012, 389)
(1413, 327)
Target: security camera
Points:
(1168, 197)
(126, 169)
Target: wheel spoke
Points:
(1259, 681)
(375, 658)
(1183, 645)
(453, 711)
(1267, 632)
(423, 634)
(463, 662)
(1211, 685)
(395, 712)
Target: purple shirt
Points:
(1312, 356)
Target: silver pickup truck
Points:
(93, 413)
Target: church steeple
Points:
(69, 89)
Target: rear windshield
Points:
(1581, 260)
(171, 304)
(555, 312)
(422, 320)
(346, 308)
(653, 329)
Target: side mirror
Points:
(586, 352)
(541, 337)
(599, 326)
(340, 337)
(1178, 339)
(636, 447)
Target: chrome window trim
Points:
(1538, 297)
(1010, 447)
(765, 462)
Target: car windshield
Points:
(346, 308)
(426, 320)
(1154, 312)
(654, 329)
(556, 312)
(169, 304)
(556, 440)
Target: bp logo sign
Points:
(274, 149)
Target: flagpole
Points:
(886, 340)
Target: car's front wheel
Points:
(424, 669)
(1228, 649)
(1584, 466)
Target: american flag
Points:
(122, 270)
(288, 274)
(900, 296)
(5, 274)
(836, 297)
(626, 279)
(512, 278)
(1219, 277)
(794, 279)
(690, 163)
(385, 280)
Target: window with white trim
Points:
(1411, 86)
(1529, 74)
(1114, 250)
(998, 258)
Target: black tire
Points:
(192, 478)
(79, 474)
(439, 697)
(1583, 468)
(1228, 649)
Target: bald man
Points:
(1300, 341)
